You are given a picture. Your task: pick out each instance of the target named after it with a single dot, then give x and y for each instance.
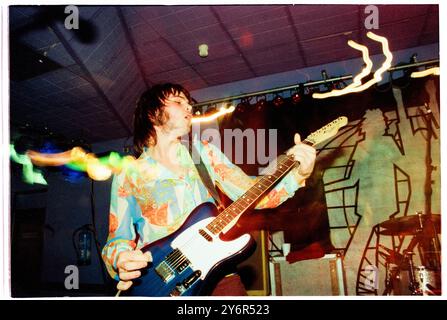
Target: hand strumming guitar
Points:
(129, 264)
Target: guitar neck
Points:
(285, 163)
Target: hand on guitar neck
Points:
(305, 155)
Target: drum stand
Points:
(426, 237)
(393, 277)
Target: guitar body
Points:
(191, 260)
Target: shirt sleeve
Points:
(121, 229)
(235, 182)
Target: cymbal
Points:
(410, 225)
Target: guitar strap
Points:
(205, 176)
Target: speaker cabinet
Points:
(254, 271)
(315, 277)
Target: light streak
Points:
(419, 74)
(355, 86)
(357, 80)
(30, 175)
(99, 169)
(369, 64)
(222, 111)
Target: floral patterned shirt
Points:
(150, 200)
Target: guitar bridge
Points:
(165, 272)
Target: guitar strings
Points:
(215, 225)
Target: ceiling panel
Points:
(335, 24)
(235, 12)
(247, 40)
(221, 65)
(195, 17)
(318, 14)
(257, 19)
(272, 66)
(274, 54)
(391, 13)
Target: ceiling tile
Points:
(331, 25)
(227, 76)
(250, 41)
(313, 47)
(196, 17)
(155, 12)
(162, 64)
(221, 65)
(393, 13)
(272, 54)
(143, 33)
(168, 27)
(155, 49)
(262, 20)
(319, 13)
(270, 67)
(233, 12)
(210, 34)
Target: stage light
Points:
(278, 101)
(296, 97)
(240, 108)
(261, 103)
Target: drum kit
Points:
(403, 277)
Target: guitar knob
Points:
(178, 290)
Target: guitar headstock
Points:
(328, 131)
